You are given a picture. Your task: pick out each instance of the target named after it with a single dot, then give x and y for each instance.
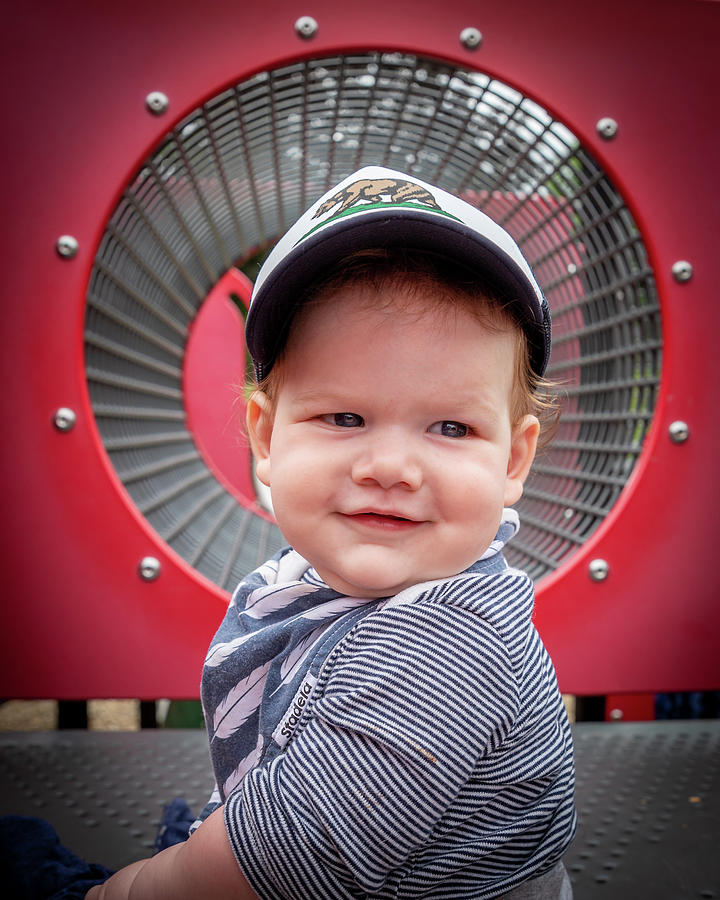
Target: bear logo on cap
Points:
(373, 191)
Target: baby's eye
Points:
(450, 429)
(344, 420)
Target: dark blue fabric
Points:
(34, 865)
(176, 821)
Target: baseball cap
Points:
(378, 207)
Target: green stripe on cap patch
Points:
(368, 207)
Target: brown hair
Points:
(452, 287)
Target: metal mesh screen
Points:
(240, 169)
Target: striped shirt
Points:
(430, 757)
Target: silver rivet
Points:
(598, 569)
(149, 568)
(157, 102)
(616, 714)
(607, 128)
(682, 271)
(306, 27)
(470, 38)
(679, 432)
(64, 419)
(67, 246)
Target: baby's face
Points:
(390, 454)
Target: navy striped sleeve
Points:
(406, 707)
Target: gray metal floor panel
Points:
(648, 797)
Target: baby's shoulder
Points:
(496, 597)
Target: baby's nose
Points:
(389, 462)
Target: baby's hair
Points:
(408, 277)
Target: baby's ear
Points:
(522, 453)
(259, 419)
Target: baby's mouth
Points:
(384, 520)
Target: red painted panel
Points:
(77, 620)
(630, 707)
(213, 377)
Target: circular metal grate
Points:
(237, 171)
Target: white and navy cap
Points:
(380, 208)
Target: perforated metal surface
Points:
(237, 171)
(103, 792)
(648, 797)
(649, 811)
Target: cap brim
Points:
(412, 228)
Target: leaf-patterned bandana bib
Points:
(263, 663)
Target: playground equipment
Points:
(158, 150)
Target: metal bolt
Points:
(679, 432)
(470, 38)
(306, 27)
(157, 102)
(64, 419)
(607, 128)
(67, 246)
(599, 569)
(682, 271)
(149, 568)
(616, 714)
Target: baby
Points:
(384, 720)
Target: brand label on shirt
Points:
(289, 721)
